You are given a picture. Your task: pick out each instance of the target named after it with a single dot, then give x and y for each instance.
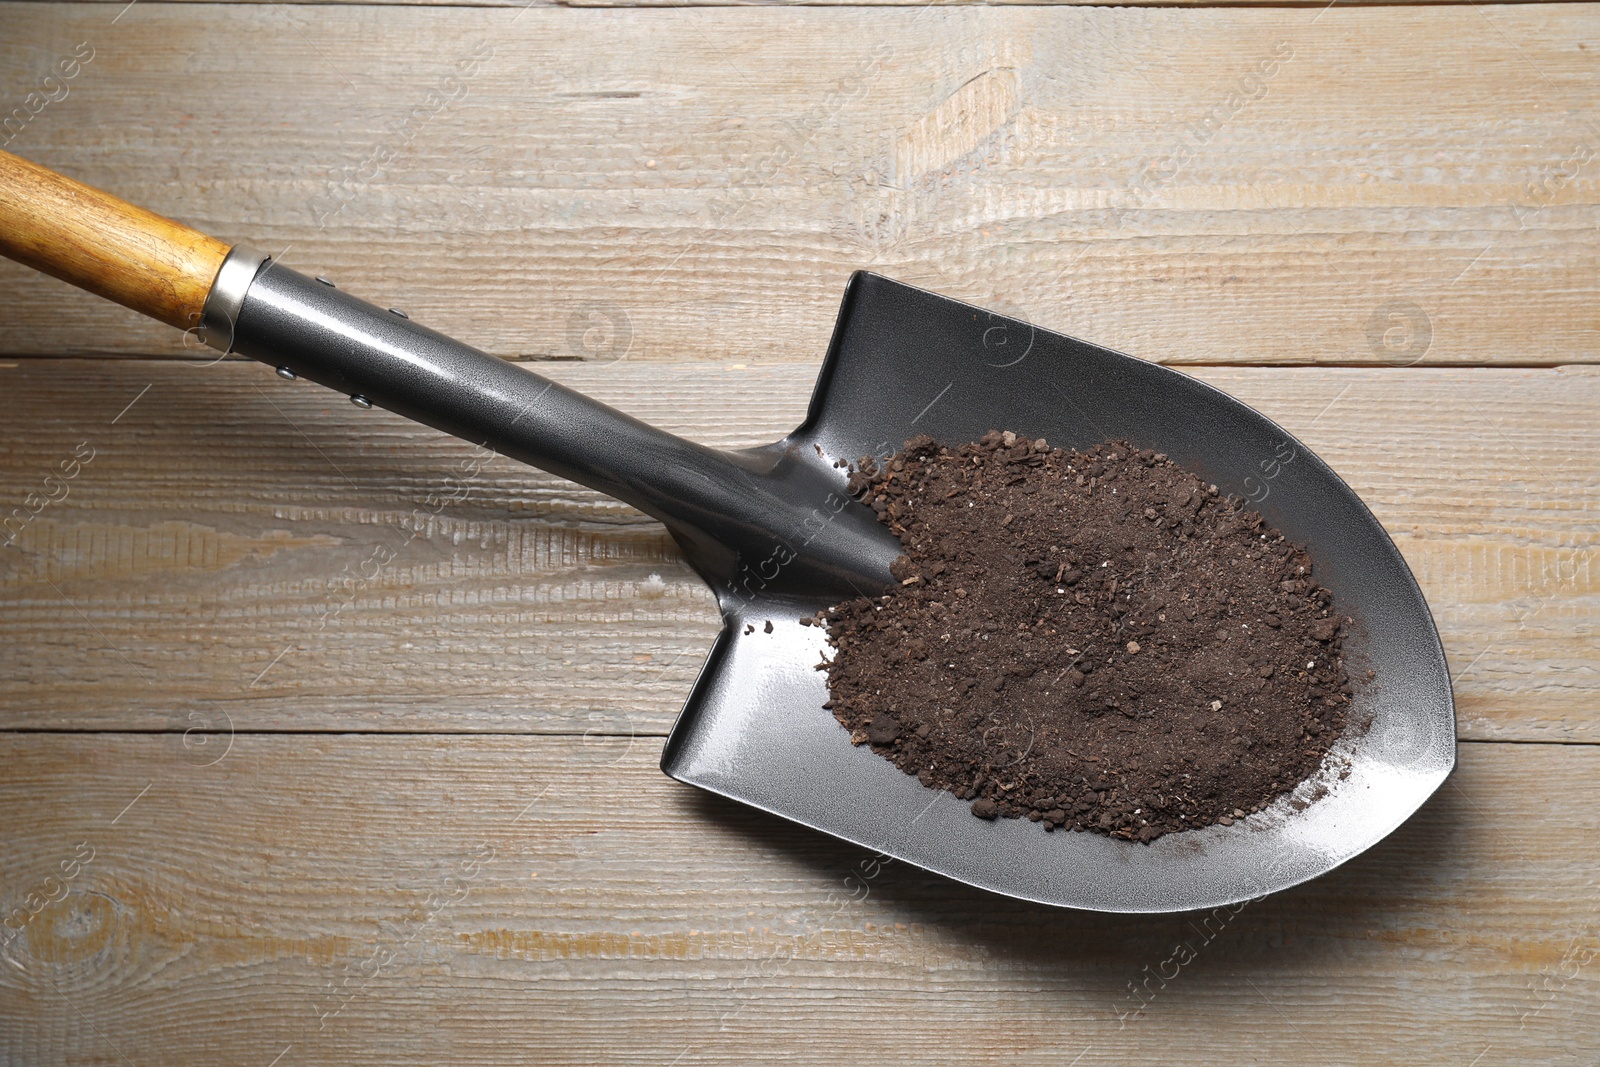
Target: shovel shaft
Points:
(770, 520)
(81, 235)
(749, 520)
(311, 329)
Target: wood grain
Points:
(816, 3)
(664, 205)
(1412, 183)
(104, 245)
(192, 574)
(309, 898)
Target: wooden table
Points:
(288, 780)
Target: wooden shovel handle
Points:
(97, 242)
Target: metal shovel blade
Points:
(905, 362)
(773, 532)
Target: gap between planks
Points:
(550, 735)
(535, 363)
(619, 5)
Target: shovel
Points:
(776, 535)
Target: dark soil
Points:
(1094, 640)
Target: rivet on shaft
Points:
(361, 402)
(326, 282)
(286, 374)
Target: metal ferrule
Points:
(221, 311)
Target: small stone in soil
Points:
(883, 730)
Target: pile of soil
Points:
(1095, 640)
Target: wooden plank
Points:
(1285, 185)
(368, 900)
(807, 3)
(193, 574)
